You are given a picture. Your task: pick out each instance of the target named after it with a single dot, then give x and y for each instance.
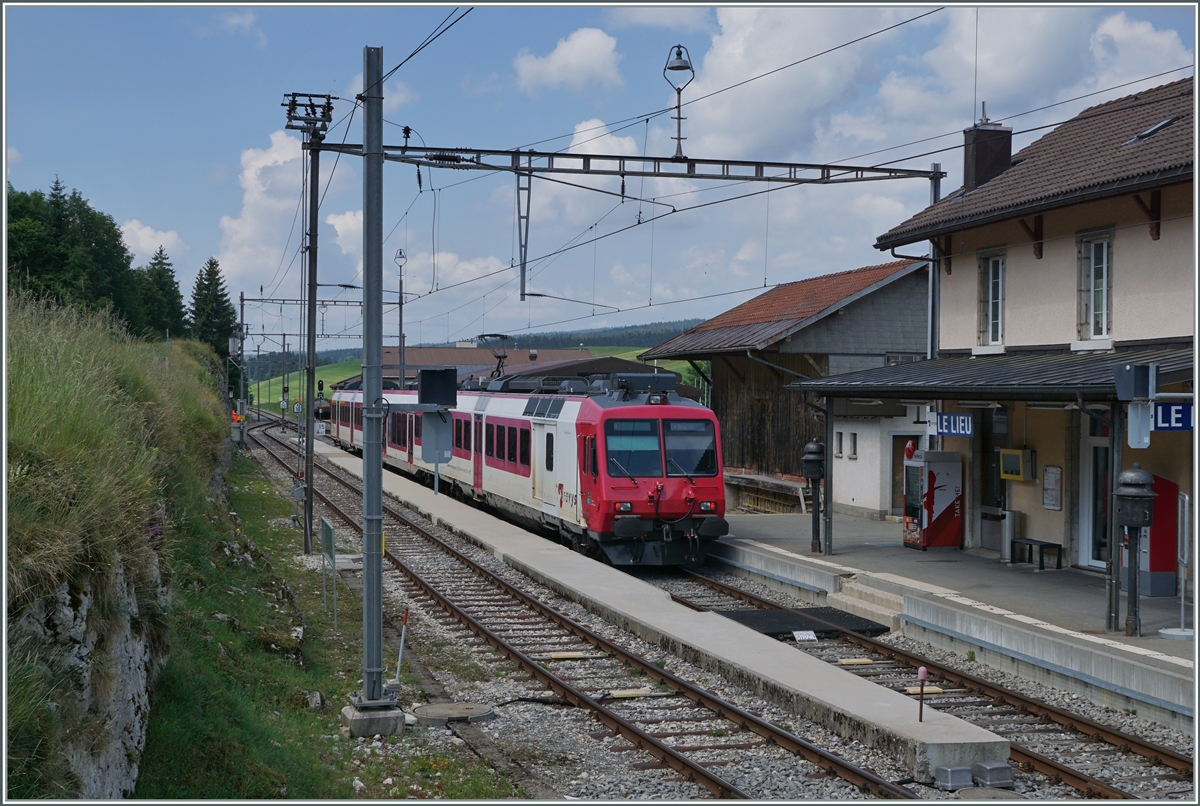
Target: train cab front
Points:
(661, 493)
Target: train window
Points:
(530, 405)
(525, 447)
(512, 443)
(555, 407)
(488, 439)
(549, 451)
(402, 426)
(457, 433)
(417, 427)
(632, 448)
(467, 436)
(543, 406)
(691, 447)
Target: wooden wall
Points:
(764, 427)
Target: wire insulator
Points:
(419, 188)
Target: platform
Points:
(1045, 625)
(847, 704)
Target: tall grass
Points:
(102, 431)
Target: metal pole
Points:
(242, 353)
(314, 153)
(400, 308)
(372, 458)
(1133, 621)
(815, 548)
(828, 476)
(1113, 580)
(935, 195)
(679, 123)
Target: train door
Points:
(412, 446)
(545, 479)
(589, 482)
(477, 457)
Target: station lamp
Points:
(680, 62)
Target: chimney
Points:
(532, 355)
(987, 152)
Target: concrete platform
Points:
(851, 706)
(1047, 626)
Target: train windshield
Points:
(691, 447)
(632, 448)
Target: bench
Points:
(1040, 545)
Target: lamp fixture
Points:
(978, 404)
(682, 62)
(1049, 405)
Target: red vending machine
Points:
(933, 500)
(1158, 545)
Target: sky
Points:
(169, 119)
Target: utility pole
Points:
(313, 120)
(242, 354)
(373, 695)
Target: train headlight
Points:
(622, 506)
(708, 506)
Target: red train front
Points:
(651, 486)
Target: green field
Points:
(270, 391)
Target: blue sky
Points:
(168, 118)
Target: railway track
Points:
(642, 706)
(1095, 759)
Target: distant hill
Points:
(644, 336)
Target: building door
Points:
(477, 456)
(1095, 486)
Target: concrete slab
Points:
(778, 672)
(373, 721)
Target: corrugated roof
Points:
(1088, 156)
(1055, 376)
(778, 313)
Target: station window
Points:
(489, 439)
(853, 445)
(837, 443)
(525, 447)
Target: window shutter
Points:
(1085, 284)
(983, 302)
(1109, 289)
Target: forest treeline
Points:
(62, 249)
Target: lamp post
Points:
(400, 259)
(680, 63)
(814, 470)
(1134, 511)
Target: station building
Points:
(873, 316)
(1056, 267)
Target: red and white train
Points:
(623, 469)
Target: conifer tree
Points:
(162, 303)
(212, 318)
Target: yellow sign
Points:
(855, 662)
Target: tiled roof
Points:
(1089, 156)
(778, 313)
(1055, 376)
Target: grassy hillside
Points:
(85, 399)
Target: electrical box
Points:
(438, 387)
(1017, 465)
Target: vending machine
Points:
(933, 499)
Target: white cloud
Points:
(144, 240)
(11, 157)
(679, 18)
(349, 228)
(253, 244)
(243, 24)
(586, 57)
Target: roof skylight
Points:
(1153, 130)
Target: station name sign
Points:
(955, 425)
(1173, 417)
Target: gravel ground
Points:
(554, 745)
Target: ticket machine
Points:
(933, 499)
